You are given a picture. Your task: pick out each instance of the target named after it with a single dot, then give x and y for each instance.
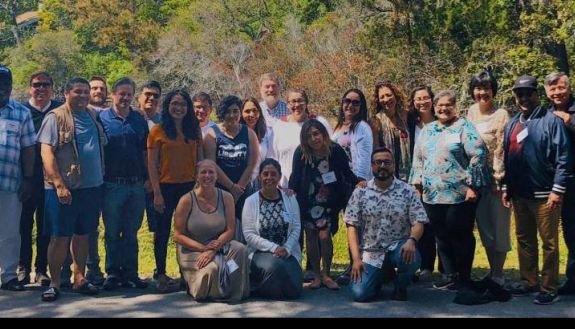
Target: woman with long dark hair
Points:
(174, 148)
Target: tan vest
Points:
(66, 151)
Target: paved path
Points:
(424, 301)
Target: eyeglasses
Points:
(353, 102)
(41, 84)
(378, 163)
(297, 101)
(152, 95)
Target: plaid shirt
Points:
(16, 132)
(273, 115)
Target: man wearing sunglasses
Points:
(384, 222)
(538, 166)
(40, 103)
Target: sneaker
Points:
(545, 298)
(344, 278)
(425, 275)
(520, 289)
(444, 283)
(13, 285)
(135, 283)
(42, 279)
(568, 288)
(111, 283)
(399, 294)
(95, 277)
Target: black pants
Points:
(171, 194)
(453, 224)
(34, 205)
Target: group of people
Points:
(411, 175)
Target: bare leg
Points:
(57, 252)
(79, 255)
(327, 257)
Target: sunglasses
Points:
(41, 84)
(353, 102)
(152, 95)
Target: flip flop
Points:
(51, 294)
(86, 288)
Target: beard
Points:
(382, 174)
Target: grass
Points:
(480, 264)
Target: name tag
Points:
(453, 139)
(483, 127)
(329, 177)
(522, 135)
(232, 266)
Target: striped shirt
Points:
(16, 132)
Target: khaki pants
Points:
(533, 216)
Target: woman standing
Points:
(174, 148)
(286, 131)
(389, 126)
(449, 170)
(421, 113)
(353, 133)
(235, 149)
(320, 173)
(271, 224)
(253, 118)
(493, 219)
(214, 266)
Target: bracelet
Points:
(414, 239)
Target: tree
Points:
(10, 9)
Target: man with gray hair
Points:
(563, 106)
(272, 106)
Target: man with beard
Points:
(272, 106)
(98, 93)
(40, 103)
(384, 222)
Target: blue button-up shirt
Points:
(124, 153)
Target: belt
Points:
(125, 180)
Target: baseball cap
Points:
(525, 81)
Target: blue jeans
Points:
(372, 277)
(123, 213)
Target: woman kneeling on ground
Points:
(214, 266)
(271, 225)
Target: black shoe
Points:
(13, 285)
(344, 278)
(42, 279)
(24, 278)
(399, 294)
(111, 283)
(519, 289)
(444, 283)
(568, 288)
(95, 277)
(545, 298)
(135, 283)
(65, 284)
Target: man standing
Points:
(98, 93)
(17, 153)
(272, 106)
(563, 106)
(202, 104)
(124, 197)
(40, 103)
(538, 167)
(149, 106)
(72, 143)
(384, 222)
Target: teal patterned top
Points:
(447, 160)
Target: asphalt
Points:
(424, 302)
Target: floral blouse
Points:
(383, 218)
(449, 160)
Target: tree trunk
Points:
(13, 22)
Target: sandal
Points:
(51, 294)
(86, 288)
(329, 283)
